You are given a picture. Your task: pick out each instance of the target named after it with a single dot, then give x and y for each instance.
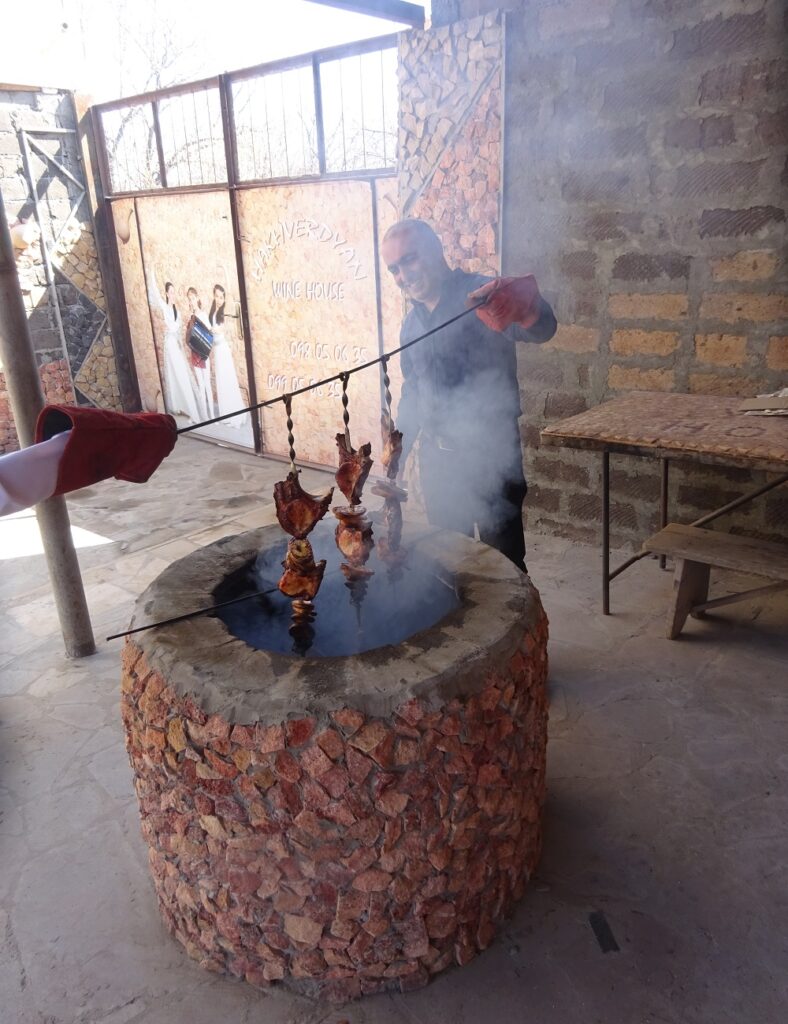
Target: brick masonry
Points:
(644, 183)
(85, 371)
(342, 854)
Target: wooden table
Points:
(693, 428)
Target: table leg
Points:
(663, 504)
(606, 533)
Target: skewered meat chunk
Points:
(389, 490)
(302, 576)
(392, 446)
(297, 511)
(354, 467)
(354, 535)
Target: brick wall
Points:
(79, 365)
(645, 183)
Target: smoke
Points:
(463, 400)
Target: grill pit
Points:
(342, 825)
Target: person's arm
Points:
(543, 330)
(154, 295)
(515, 307)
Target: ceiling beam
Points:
(392, 10)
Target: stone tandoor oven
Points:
(342, 825)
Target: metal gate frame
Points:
(233, 184)
(28, 145)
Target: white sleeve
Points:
(154, 295)
(30, 475)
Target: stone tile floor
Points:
(667, 809)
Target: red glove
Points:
(512, 300)
(128, 446)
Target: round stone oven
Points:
(343, 825)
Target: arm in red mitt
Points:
(76, 446)
(515, 301)
(128, 446)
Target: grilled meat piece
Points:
(392, 446)
(302, 576)
(354, 467)
(354, 543)
(392, 520)
(389, 490)
(297, 511)
(392, 556)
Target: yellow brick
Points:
(648, 307)
(729, 387)
(571, 338)
(738, 306)
(721, 349)
(752, 265)
(628, 378)
(634, 343)
(777, 352)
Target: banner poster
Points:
(179, 277)
(309, 261)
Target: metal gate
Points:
(254, 202)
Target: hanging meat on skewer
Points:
(392, 446)
(354, 536)
(354, 467)
(298, 511)
(389, 549)
(302, 576)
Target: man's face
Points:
(416, 266)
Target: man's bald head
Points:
(420, 230)
(414, 255)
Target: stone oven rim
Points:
(436, 664)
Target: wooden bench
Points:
(696, 551)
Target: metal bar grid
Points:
(48, 271)
(262, 72)
(159, 144)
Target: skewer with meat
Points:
(389, 545)
(354, 540)
(354, 467)
(392, 446)
(298, 511)
(303, 575)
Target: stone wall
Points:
(78, 366)
(644, 183)
(450, 136)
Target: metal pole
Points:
(663, 502)
(27, 399)
(606, 532)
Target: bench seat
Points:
(696, 551)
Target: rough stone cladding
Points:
(645, 176)
(347, 855)
(85, 372)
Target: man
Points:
(460, 395)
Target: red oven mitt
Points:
(128, 446)
(510, 300)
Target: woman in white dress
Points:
(179, 397)
(228, 393)
(200, 364)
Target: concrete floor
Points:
(667, 810)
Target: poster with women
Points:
(182, 298)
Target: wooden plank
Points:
(758, 404)
(722, 550)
